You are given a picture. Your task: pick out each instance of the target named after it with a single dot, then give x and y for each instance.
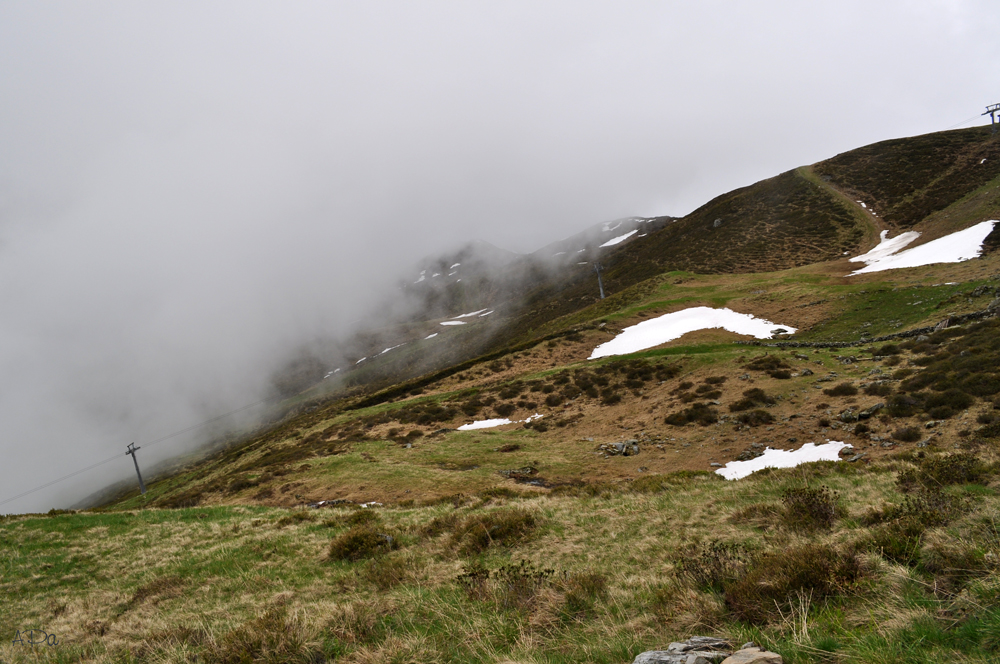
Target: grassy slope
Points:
(242, 576)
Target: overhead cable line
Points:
(147, 444)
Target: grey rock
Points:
(715, 465)
(923, 337)
(848, 415)
(753, 656)
(943, 325)
(995, 304)
(806, 372)
(869, 412)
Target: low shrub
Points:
(701, 413)
(509, 586)
(898, 541)
(752, 398)
(387, 571)
(907, 434)
(771, 582)
(582, 590)
(361, 543)
(755, 418)
(717, 564)
(961, 468)
(841, 390)
(504, 527)
(809, 508)
(878, 390)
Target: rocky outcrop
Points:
(708, 650)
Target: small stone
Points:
(753, 656)
(715, 465)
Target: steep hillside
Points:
(472, 486)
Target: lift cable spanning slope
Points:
(179, 432)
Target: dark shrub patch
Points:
(841, 390)
(751, 398)
(509, 586)
(861, 428)
(715, 380)
(582, 590)
(509, 447)
(686, 385)
(782, 374)
(824, 422)
(945, 404)
(755, 418)
(807, 508)
(768, 363)
(962, 468)
(770, 584)
(609, 397)
(878, 390)
(387, 571)
(505, 409)
(715, 565)
(701, 413)
(907, 434)
(362, 542)
(553, 400)
(888, 349)
(506, 527)
(901, 405)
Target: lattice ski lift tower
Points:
(992, 111)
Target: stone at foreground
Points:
(696, 650)
(675, 657)
(753, 656)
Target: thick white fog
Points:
(191, 191)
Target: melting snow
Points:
(829, 451)
(422, 278)
(453, 322)
(454, 266)
(431, 336)
(484, 424)
(391, 348)
(863, 205)
(361, 360)
(955, 248)
(436, 274)
(668, 327)
(609, 227)
(471, 313)
(486, 314)
(489, 424)
(886, 247)
(620, 238)
(452, 274)
(559, 253)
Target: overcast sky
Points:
(189, 189)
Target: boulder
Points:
(696, 650)
(753, 656)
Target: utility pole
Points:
(600, 284)
(991, 111)
(131, 450)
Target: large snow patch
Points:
(621, 238)
(829, 451)
(650, 333)
(955, 248)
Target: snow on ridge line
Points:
(621, 238)
(650, 333)
(956, 247)
(771, 458)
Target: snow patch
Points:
(668, 327)
(621, 238)
(486, 314)
(558, 253)
(391, 348)
(453, 322)
(489, 424)
(454, 266)
(361, 360)
(829, 451)
(431, 336)
(608, 227)
(954, 248)
(886, 247)
(471, 313)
